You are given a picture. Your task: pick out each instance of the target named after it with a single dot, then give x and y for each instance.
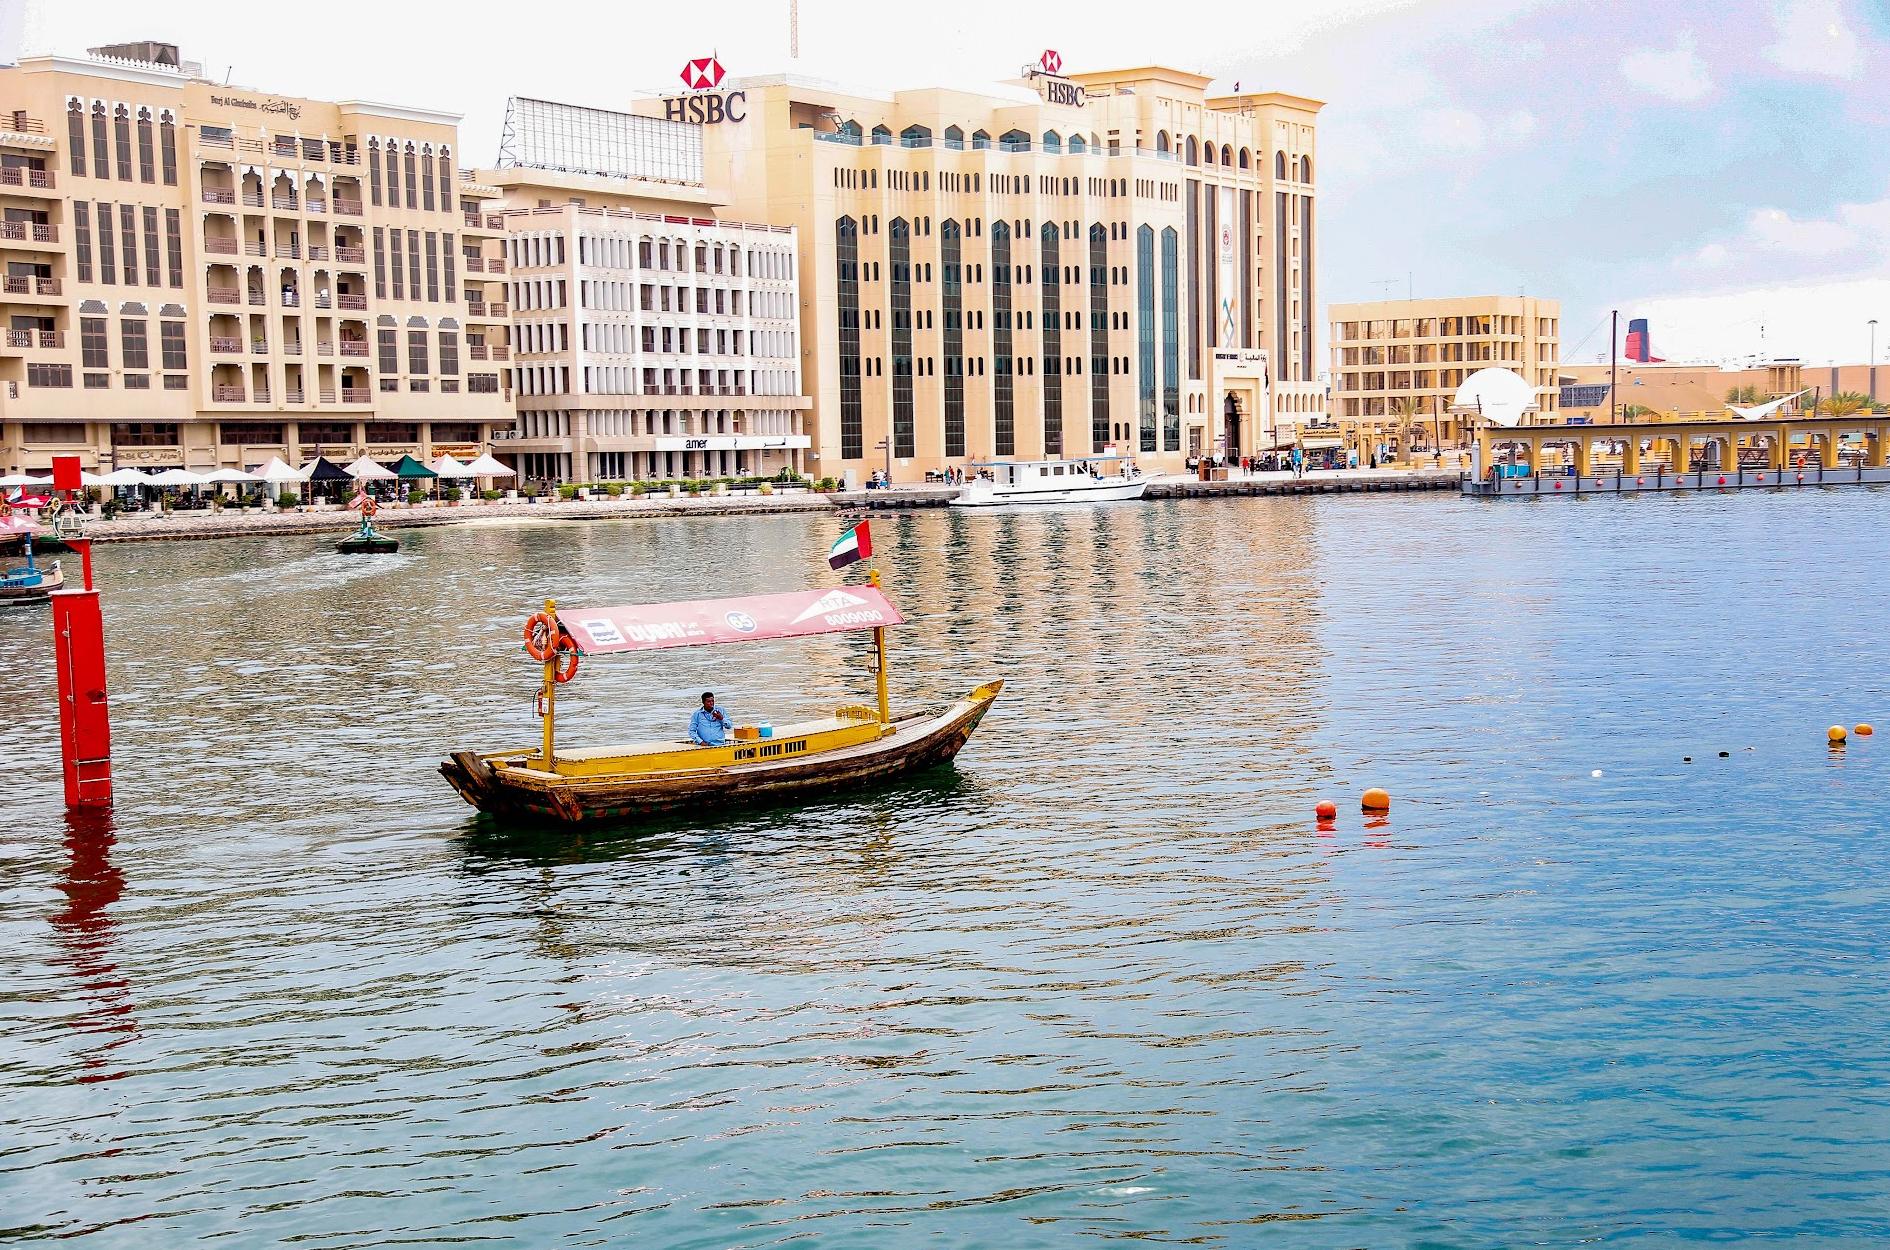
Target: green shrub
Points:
(614, 489)
(764, 488)
(567, 492)
(492, 496)
(416, 495)
(288, 499)
(108, 508)
(453, 494)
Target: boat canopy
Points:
(703, 622)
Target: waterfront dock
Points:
(1319, 482)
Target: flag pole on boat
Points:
(879, 648)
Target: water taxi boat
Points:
(1003, 482)
(850, 747)
(29, 582)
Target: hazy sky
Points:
(1716, 165)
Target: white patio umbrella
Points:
(125, 477)
(446, 466)
(486, 466)
(229, 475)
(277, 471)
(366, 470)
(176, 477)
(24, 479)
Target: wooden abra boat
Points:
(854, 746)
(29, 582)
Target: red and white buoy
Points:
(85, 732)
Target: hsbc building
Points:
(1070, 264)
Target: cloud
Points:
(1818, 322)
(1813, 38)
(1852, 240)
(1677, 74)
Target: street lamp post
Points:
(885, 444)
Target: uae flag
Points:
(855, 544)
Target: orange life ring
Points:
(565, 663)
(541, 634)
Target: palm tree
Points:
(1843, 404)
(1743, 395)
(1636, 412)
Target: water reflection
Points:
(87, 943)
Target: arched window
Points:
(882, 134)
(1305, 169)
(75, 134)
(1279, 165)
(101, 142)
(1194, 155)
(426, 177)
(413, 190)
(1243, 158)
(393, 174)
(374, 171)
(1052, 141)
(1161, 141)
(121, 128)
(979, 139)
(1076, 143)
(167, 146)
(847, 274)
(851, 129)
(915, 137)
(954, 138)
(147, 147)
(448, 175)
(1014, 141)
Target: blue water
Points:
(1106, 979)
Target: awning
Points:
(322, 469)
(486, 466)
(368, 470)
(1321, 444)
(277, 471)
(703, 622)
(447, 466)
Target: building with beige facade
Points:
(1397, 364)
(1071, 265)
(1652, 389)
(205, 275)
(652, 339)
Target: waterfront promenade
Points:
(231, 523)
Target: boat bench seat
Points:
(800, 729)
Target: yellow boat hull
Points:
(826, 758)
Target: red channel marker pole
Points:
(85, 731)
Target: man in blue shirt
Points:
(708, 727)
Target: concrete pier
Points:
(1320, 482)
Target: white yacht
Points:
(1096, 479)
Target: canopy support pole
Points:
(549, 697)
(879, 675)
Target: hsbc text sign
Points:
(707, 109)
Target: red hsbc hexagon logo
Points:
(702, 74)
(1051, 61)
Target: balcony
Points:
(356, 395)
(501, 352)
(227, 394)
(255, 249)
(253, 199)
(317, 206)
(323, 300)
(326, 395)
(225, 344)
(219, 195)
(45, 286)
(496, 265)
(223, 295)
(495, 310)
(317, 251)
(472, 218)
(292, 395)
(475, 308)
(291, 299)
(219, 247)
(494, 222)
(347, 208)
(475, 265)
(292, 349)
(323, 348)
(284, 203)
(19, 338)
(288, 251)
(21, 231)
(356, 302)
(24, 338)
(257, 298)
(37, 179)
(353, 255)
(354, 347)
(476, 351)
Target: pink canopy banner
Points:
(702, 622)
(17, 524)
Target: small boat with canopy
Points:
(31, 581)
(852, 746)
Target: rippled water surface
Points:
(1105, 978)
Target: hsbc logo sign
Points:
(1048, 71)
(703, 75)
(1051, 62)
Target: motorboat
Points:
(1097, 479)
(31, 581)
(852, 746)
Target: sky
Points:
(1716, 165)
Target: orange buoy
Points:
(1375, 800)
(1326, 809)
(1863, 731)
(1836, 735)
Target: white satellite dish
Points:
(1500, 396)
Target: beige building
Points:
(1665, 388)
(652, 339)
(205, 275)
(1066, 266)
(1397, 364)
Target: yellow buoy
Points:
(1375, 800)
(1863, 731)
(1835, 733)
